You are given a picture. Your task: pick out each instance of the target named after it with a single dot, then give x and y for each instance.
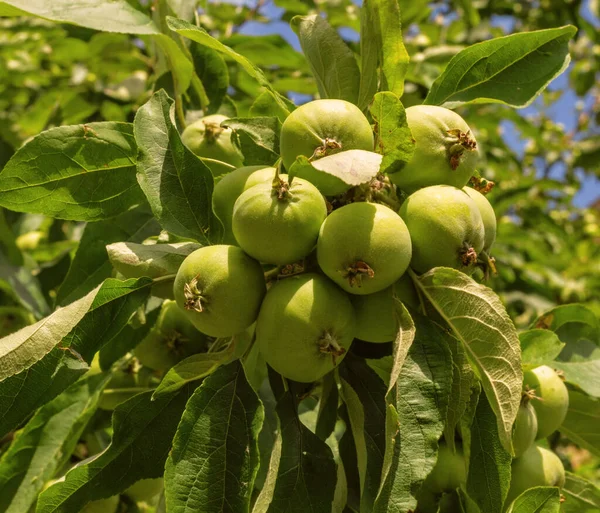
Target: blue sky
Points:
(562, 111)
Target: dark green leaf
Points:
(460, 395)
(143, 433)
(129, 337)
(582, 495)
(417, 409)
(394, 139)
(328, 407)
(306, 475)
(489, 463)
(479, 320)
(582, 374)
(582, 421)
(214, 458)
(178, 186)
(257, 138)
(80, 172)
(540, 499)
(264, 106)
(384, 15)
(90, 267)
(191, 369)
(513, 69)
(204, 38)
(369, 57)
(212, 72)
(46, 443)
(23, 393)
(331, 61)
(538, 347)
(364, 395)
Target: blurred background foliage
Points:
(544, 159)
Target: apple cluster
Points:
(313, 262)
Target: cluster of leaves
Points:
(81, 188)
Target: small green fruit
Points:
(364, 247)
(375, 313)
(525, 428)
(145, 490)
(488, 216)
(305, 326)
(229, 189)
(220, 288)
(124, 384)
(109, 505)
(449, 471)
(536, 467)
(207, 139)
(172, 339)
(445, 227)
(445, 150)
(551, 400)
(324, 127)
(279, 223)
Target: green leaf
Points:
(384, 16)
(178, 186)
(22, 349)
(257, 138)
(582, 421)
(538, 347)
(46, 443)
(369, 57)
(143, 431)
(331, 61)
(80, 172)
(113, 16)
(350, 167)
(582, 374)
(582, 495)
(513, 69)
(130, 336)
(214, 458)
(190, 369)
(364, 395)
(179, 64)
(488, 479)
(23, 393)
(404, 339)
(393, 137)
(204, 38)
(264, 106)
(134, 260)
(306, 474)
(328, 407)
(460, 395)
(539, 499)
(417, 409)
(90, 266)
(479, 320)
(54, 352)
(212, 71)
(113, 306)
